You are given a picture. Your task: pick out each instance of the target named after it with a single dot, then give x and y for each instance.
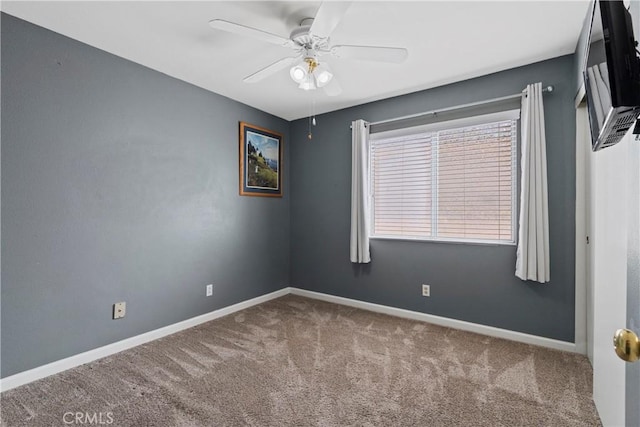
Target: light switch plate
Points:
(119, 310)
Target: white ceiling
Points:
(448, 41)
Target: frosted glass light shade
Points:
(308, 83)
(323, 76)
(298, 73)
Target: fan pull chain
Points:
(312, 118)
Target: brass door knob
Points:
(627, 345)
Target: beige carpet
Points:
(300, 362)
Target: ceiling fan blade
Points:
(269, 70)
(333, 88)
(329, 15)
(371, 53)
(243, 30)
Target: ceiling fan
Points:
(310, 41)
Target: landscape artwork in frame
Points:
(260, 161)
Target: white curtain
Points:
(533, 234)
(360, 192)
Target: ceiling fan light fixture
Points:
(310, 74)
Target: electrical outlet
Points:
(119, 310)
(426, 290)
(209, 290)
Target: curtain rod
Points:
(457, 107)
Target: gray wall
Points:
(474, 283)
(120, 184)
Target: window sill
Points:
(441, 240)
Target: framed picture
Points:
(260, 161)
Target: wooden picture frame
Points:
(260, 161)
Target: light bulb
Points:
(322, 75)
(323, 78)
(298, 73)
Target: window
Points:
(452, 181)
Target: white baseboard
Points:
(89, 356)
(442, 321)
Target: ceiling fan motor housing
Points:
(302, 36)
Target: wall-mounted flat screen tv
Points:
(611, 72)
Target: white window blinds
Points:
(402, 202)
(446, 183)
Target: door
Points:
(633, 264)
(613, 258)
(633, 282)
(608, 268)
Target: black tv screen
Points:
(611, 73)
